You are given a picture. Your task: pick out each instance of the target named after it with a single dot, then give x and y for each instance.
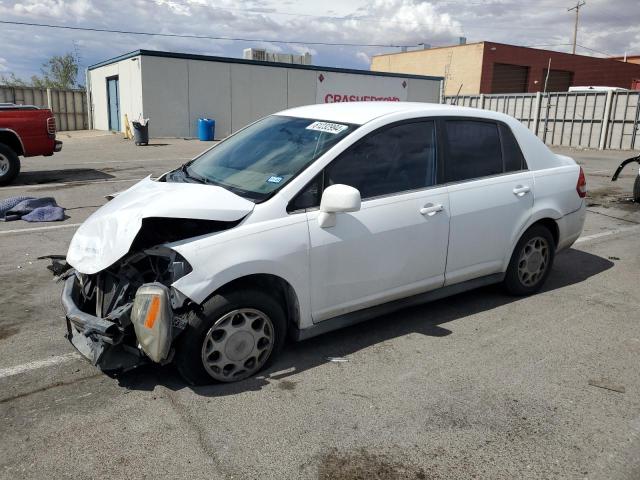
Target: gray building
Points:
(173, 90)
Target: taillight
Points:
(51, 125)
(581, 187)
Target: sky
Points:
(606, 27)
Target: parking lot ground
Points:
(480, 385)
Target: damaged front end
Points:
(128, 313)
(121, 307)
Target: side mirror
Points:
(335, 199)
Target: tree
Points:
(60, 71)
(13, 81)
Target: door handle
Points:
(521, 190)
(430, 209)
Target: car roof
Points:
(537, 154)
(360, 113)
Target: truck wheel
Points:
(531, 261)
(636, 189)
(9, 165)
(235, 335)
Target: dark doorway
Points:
(509, 78)
(113, 103)
(559, 80)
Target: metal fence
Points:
(68, 106)
(573, 119)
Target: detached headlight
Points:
(152, 319)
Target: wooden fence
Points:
(68, 106)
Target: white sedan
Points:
(312, 219)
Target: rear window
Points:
(513, 157)
(474, 150)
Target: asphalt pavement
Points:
(480, 385)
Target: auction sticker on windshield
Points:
(327, 127)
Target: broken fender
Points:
(107, 235)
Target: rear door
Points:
(396, 244)
(490, 195)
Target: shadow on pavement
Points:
(43, 177)
(571, 267)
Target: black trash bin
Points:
(141, 133)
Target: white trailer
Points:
(173, 90)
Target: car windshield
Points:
(263, 157)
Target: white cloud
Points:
(4, 65)
(364, 58)
(397, 22)
(53, 8)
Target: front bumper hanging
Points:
(99, 340)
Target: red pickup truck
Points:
(24, 130)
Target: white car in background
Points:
(312, 219)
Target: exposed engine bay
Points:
(128, 313)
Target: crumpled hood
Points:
(108, 233)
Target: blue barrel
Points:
(206, 129)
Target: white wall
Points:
(423, 91)
(165, 86)
(209, 95)
(179, 91)
(256, 91)
(128, 72)
(302, 88)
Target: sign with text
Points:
(334, 87)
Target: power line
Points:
(203, 37)
(594, 50)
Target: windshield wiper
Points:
(185, 170)
(208, 181)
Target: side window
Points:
(309, 197)
(513, 158)
(474, 150)
(392, 160)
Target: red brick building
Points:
(488, 67)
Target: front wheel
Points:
(9, 165)
(234, 336)
(531, 261)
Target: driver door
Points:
(396, 244)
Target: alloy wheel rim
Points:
(533, 262)
(4, 165)
(237, 345)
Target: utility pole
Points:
(575, 28)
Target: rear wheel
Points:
(531, 261)
(234, 336)
(9, 165)
(636, 189)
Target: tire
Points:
(525, 276)
(9, 165)
(214, 333)
(636, 189)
